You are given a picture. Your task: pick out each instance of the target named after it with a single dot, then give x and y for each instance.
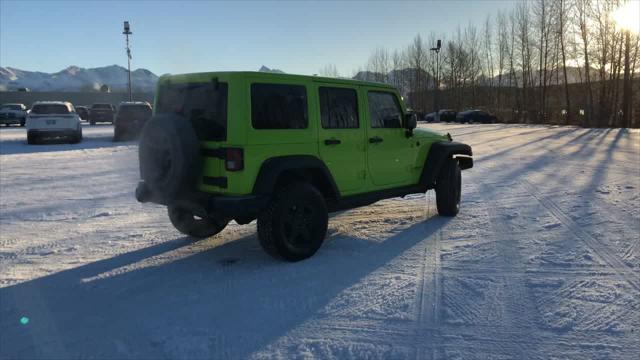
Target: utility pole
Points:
(126, 33)
(437, 82)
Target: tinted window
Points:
(384, 110)
(338, 108)
(101, 106)
(137, 111)
(11, 107)
(275, 106)
(203, 104)
(50, 109)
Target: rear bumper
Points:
(52, 132)
(101, 117)
(203, 204)
(11, 121)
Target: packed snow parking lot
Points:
(543, 261)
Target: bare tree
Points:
(329, 70)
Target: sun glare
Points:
(627, 17)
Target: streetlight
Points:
(126, 33)
(437, 83)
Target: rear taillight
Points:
(234, 159)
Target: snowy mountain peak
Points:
(266, 69)
(75, 78)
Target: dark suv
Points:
(101, 113)
(477, 116)
(130, 119)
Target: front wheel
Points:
(448, 189)
(188, 223)
(294, 224)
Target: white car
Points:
(53, 119)
(13, 114)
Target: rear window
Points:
(50, 109)
(135, 110)
(101, 106)
(203, 104)
(11, 107)
(278, 106)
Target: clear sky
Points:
(189, 36)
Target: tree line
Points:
(561, 62)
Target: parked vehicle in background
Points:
(287, 150)
(130, 119)
(83, 112)
(13, 114)
(101, 113)
(447, 115)
(53, 119)
(430, 117)
(476, 116)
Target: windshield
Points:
(50, 109)
(203, 104)
(101, 106)
(11, 107)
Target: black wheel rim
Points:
(297, 225)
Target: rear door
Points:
(341, 136)
(389, 151)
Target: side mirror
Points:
(410, 121)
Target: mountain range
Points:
(75, 78)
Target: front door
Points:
(341, 137)
(389, 152)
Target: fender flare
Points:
(438, 154)
(272, 168)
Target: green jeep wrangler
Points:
(287, 150)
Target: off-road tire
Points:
(448, 188)
(294, 224)
(187, 223)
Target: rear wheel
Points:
(448, 189)
(32, 139)
(185, 221)
(294, 224)
(77, 137)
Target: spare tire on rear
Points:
(169, 154)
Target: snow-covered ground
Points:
(542, 262)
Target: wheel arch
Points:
(281, 170)
(441, 152)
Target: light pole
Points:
(437, 82)
(126, 33)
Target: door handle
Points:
(375, 139)
(332, 142)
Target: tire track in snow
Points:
(516, 306)
(430, 290)
(623, 271)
